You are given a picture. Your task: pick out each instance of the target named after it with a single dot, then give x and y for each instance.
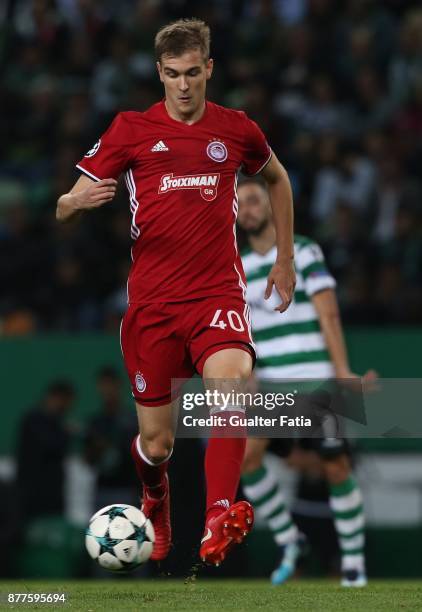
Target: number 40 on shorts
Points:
(232, 317)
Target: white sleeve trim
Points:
(263, 165)
(314, 286)
(95, 178)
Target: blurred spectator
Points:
(113, 77)
(343, 240)
(372, 107)
(72, 305)
(406, 66)
(389, 189)
(321, 112)
(399, 291)
(43, 443)
(107, 444)
(24, 257)
(347, 176)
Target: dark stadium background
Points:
(337, 88)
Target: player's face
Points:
(184, 79)
(254, 208)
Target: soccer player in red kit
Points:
(186, 301)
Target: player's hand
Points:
(283, 276)
(366, 383)
(95, 195)
(370, 381)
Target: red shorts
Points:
(164, 341)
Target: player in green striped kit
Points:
(304, 342)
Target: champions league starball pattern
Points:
(119, 537)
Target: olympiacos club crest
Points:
(140, 383)
(217, 151)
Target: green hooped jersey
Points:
(289, 345)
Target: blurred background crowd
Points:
(335, 85)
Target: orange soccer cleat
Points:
(222, 532)
(158, 511)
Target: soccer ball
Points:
(119, 537)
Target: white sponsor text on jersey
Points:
(206, 183)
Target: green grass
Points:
(221, 595)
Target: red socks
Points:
(150, 474)
(223, 460)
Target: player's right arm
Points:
(100, 167)
(86, 194)
(326, 305)
(320, 288)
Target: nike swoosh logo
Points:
(207, 536)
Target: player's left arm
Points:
(282, 274)
(326, 305)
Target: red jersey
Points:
(182, 189)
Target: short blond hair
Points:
(183, 35)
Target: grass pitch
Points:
(219, 595)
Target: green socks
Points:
(265, 493)
(349, 521)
